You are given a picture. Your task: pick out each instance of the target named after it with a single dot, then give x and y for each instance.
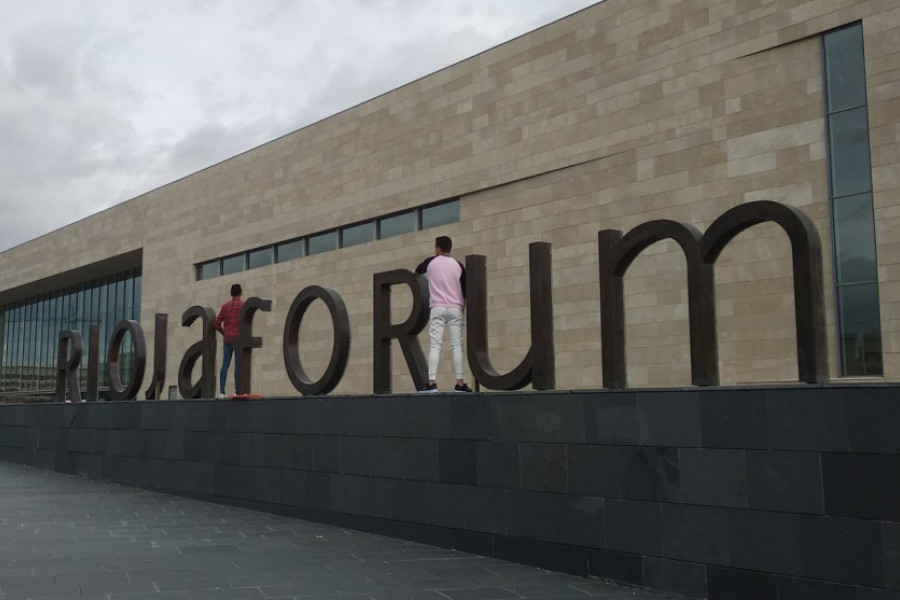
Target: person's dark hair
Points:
(444, 243)
(236, 290)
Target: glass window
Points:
(261, 257)
(39, 346)
(95, 304)
(845, 81)
(79, 308)
(851, 172)
(289, 250)
(208, 270)
(49, 345)
(396, 225)
(128, 307)
(110, 317)
(860, 329)
(104, 326)
(65, 312)
(442, 214)
(120, 301)
(358, 234)
(19, 335)
(4, 375)
(138, 291)
(853, 225)
(54, 326)
(234, 264)
(854, 239)
(86, 314)
(323, 242)
(28, 358)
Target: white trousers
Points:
(439, 318)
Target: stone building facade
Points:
(626, 112)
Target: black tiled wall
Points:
(774, 493)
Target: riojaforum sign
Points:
(538, 367)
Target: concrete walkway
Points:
(66, 537)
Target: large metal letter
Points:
(245, 342)
(701, 252)
(340, 350)
(93, 363)
(117, 391)
(806, 253)
(405, 332)
(539, 365)
(67, 366)
(616, 255)
(205, 349)
(158, 378)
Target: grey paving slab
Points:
(64, 537)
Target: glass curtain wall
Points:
(31, 331)
(853, 220)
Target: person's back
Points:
(444, 282)
(446, 299)
(228, 323)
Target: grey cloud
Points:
(102, 101)
(45, 57)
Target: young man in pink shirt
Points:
(447, 298)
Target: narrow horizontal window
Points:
(234, 264)
(261, 257)
(397, 225)
(358, 234)
(323, 242)
(289, 250)
(441, 214)
(208, 270)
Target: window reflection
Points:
(860, 329)
(846, 82)
(396, 225)
(233, 264)
(31, 331)
(442, 214)
(855, 239)
(323, 242)
(357, 234)
(208, 270)
(260, 258)
(851, 171)
(290, 250)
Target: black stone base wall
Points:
(726, 493)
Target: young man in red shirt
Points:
(227, 323)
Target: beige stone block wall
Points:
(626, 112)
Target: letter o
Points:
(116, 389)
(340, 351)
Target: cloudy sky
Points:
(102, 100)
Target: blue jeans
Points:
(227, 351)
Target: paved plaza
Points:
(65, 537)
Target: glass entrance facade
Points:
(31, 332)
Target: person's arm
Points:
(423, 266)
(219, 320)
(462, 279)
